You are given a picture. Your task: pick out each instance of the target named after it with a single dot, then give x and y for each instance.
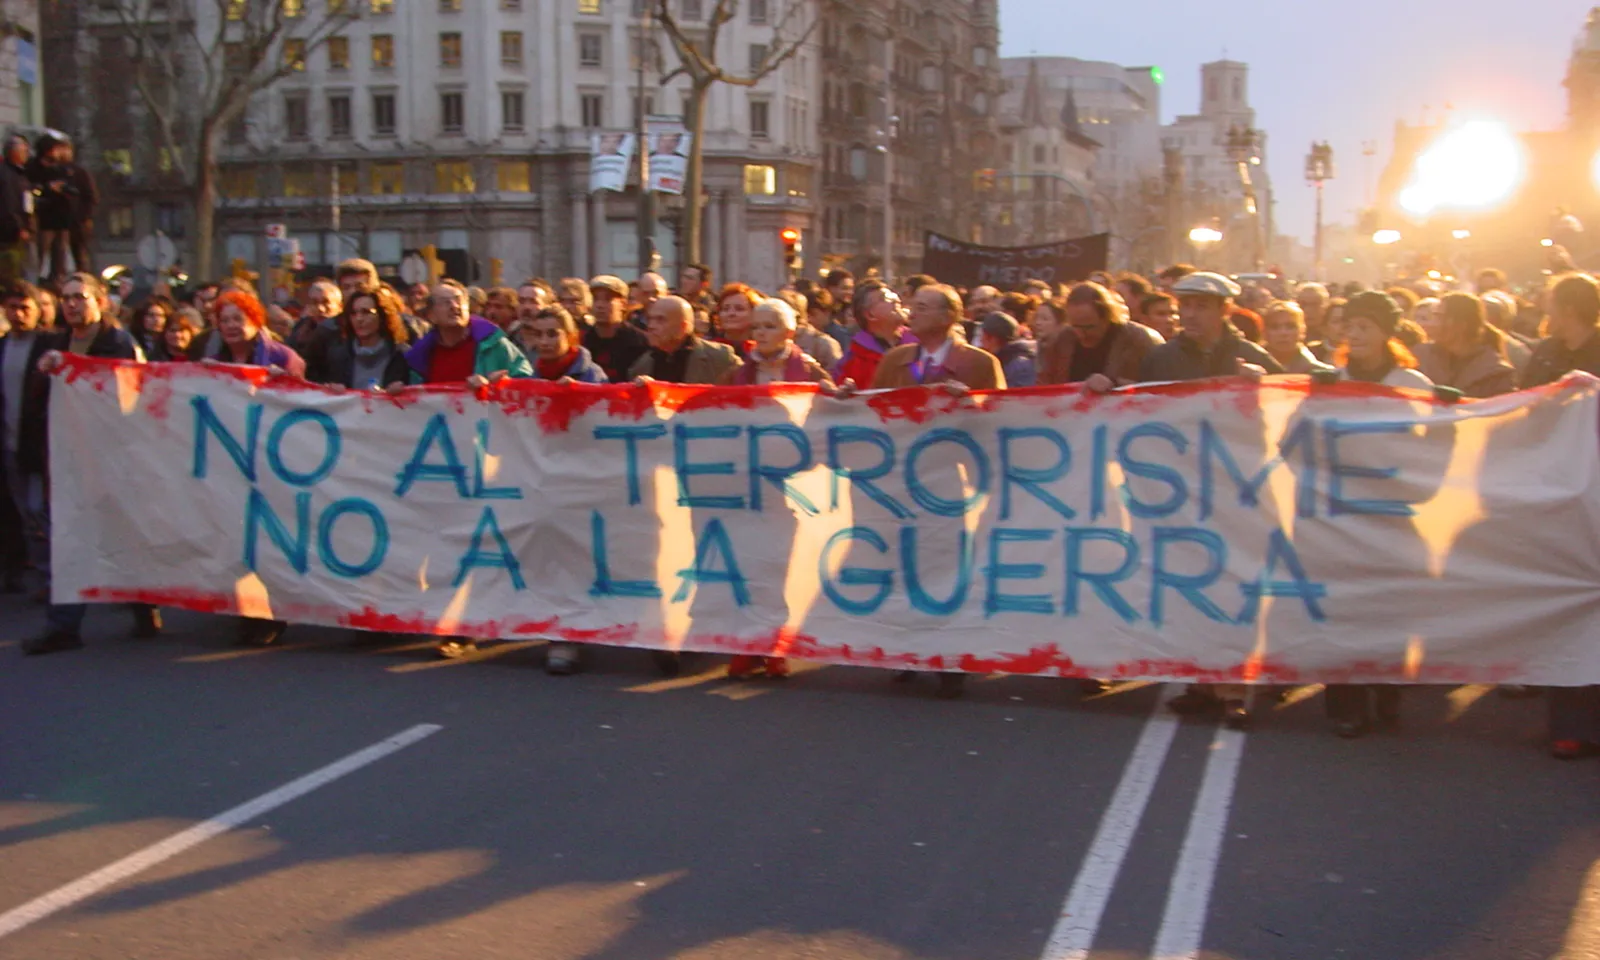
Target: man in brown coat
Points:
(938, 357)
(1098, 341)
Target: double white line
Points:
(1188, 898)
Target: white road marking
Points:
(91, 884)
(1075, 929)
(1184, 919)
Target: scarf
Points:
(557, 368)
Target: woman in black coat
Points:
(369, 350)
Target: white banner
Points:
(610, 155)
(669, 155)
(1285, 532)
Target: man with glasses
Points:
(1099, 345)
(574, 296)
(881, 319)
(91, 333)
(613, 343)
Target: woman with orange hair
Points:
(735, 306)
(241, 324)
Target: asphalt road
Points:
(613, 815)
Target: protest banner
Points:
(969, 264)
(1223, 530)
(610, 154)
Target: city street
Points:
(838, 814)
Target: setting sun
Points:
(1474, 166)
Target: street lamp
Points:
(1319, 170)
(1385, 238)
(1461, 234)
(1204, 237)
(1244, 149)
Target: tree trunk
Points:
(692, 208)
(205, 203)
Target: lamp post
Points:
(1203, 237)
(1244, 149)
(1319, 170)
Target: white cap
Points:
(1206, 284)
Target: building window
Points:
(759, 109)
(450, 50)
(294, 54)
(453, 176)
(511, 48)
(381, 6)
(294, 9)
(339, 115)
(449, 6)
(169, 220)
(387, 179)
(239, 183)
(119, 222)
(296, 117)
(348, 178)
(589, 45)
(450, 112)
(300, 181)
(383, 120)
(760, 180)
(511, 5)
(513, 176)
(511, 111)
(588, 6)
(758, 56)
(692, 10)
(1038, 153)
(235, 10)
(758, 11)
(238, 128)
(647, 102)
(338, 53)
(594, 110)
(383, 51)
(119, 162)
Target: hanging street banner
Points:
(1282, 532)
(963, 264)
(669, 153)
(610, 155)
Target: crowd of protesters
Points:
(355, 331)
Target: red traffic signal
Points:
(789, 235)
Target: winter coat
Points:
(1552, 360)
(978, 369)
(16, 204)
(583, 369)
(1486, 374)
(1182, 358)
(496, 353)
(338, 366)
(266, 352)
(33, 423)
(1019, 359)
(708, 363)
(1132, 343)
(862, 356)
(798, 367)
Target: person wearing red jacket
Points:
(882, 321)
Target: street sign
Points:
(280, 247)
(157, 251)
(277, 231)
(414, 269)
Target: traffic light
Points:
(983, 180)
(791, 248)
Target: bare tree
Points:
(697, 59)
(197, 63)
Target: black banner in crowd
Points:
(969, 264)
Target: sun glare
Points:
(1477, 165)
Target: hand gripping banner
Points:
(1283, 532)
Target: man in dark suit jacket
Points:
(23, 392)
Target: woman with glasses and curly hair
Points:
(369, 351)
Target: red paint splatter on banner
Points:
(1046, 660)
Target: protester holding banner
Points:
(1573, 344)
(90, 332)
(461, 347)
(178, 337)
(149, 319)
(369, 349)
(558, 353)
(242, 330)
(1468, 354)
(1208, 345)
(881, 322)
(1284, 333)
(735, 304)
(614, 344)
(1098, 340)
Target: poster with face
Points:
(609, 157)
(669, 155)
